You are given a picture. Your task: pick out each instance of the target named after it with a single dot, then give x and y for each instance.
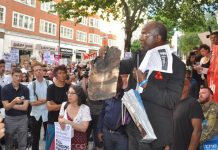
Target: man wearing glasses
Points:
(39, 112)
(160, 93)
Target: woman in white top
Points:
(77, 114)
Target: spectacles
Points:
(147, 35)
(71, 93)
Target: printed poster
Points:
(62, 137)
(158, 59)
(57, 58)
(47, 56)
(14, 56)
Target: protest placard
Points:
(7, 57)
(63, 137)
(47, 56)
(158, 59)
(7, 66)
(14, 56)
(104, 75)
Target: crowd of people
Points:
(180, 105)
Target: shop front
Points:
(66, 55)
(44, 53)
(25, 50)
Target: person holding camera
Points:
(15, 99)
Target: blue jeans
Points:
(115, 140)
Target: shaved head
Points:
(153, 34)
(159, 28)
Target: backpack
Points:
(34, 88)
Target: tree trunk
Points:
(128, 38)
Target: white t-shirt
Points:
(5, 79)
(82, 115)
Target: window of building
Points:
(94, 22)
(81, 36)
(111, 42)
(23, 21)
(28, 2)
(84, 21)
(94, 38)
(47, 6)
(2, 14)
(66, 32)
(47, 27)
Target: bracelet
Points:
(143, 82)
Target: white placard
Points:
(14, 56)
(47, 56)
(62, 137)
(158, 59)
(6, 57)
(7, 66)
(127, 55)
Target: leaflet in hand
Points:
(158, 59)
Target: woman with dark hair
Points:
(202, 69)
(77, 114)
(25, 77)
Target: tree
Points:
(187, 15)
(130, 12)
(135, 46)
(188, 41)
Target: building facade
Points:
(27, 27)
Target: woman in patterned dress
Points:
(77, 114)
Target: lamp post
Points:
(59, 36)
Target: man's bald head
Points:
(159, 28)
(153, 34)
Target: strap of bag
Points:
(34, 88)
(47, 82)
(65, 106)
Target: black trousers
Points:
(134, 138)
(36, 130)
(93, 129)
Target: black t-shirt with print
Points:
(57, 95)
(185, 111)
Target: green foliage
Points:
(67, 9)
(188, 41)
(130, 12)
(135, 46)
(185, 15)
(211, 21)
